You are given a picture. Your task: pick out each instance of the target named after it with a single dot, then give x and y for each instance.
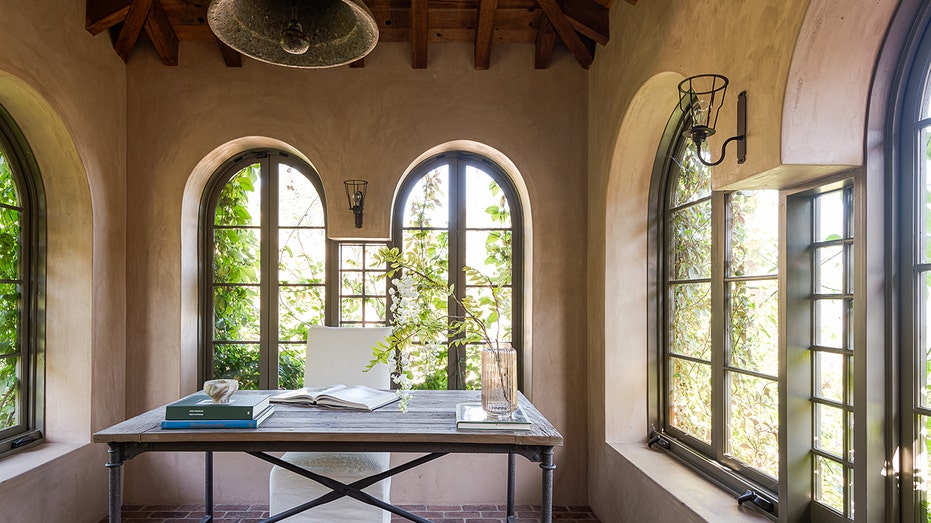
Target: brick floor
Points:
(435, 513)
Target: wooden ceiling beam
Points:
(163, 37)
(543, 49)
(100, 15)
(132, 27)
(579, 49)
(485, 30)
(231, 57)
(419, 34)
(589, 18)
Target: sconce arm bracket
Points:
(741, 137)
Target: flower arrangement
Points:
(419, 326)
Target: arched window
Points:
(914, 270)
(717, 321)
(264, 269)
(22, 290)
(461, 210)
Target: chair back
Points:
(341, 355)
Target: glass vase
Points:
(499, 381)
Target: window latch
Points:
(658, 438)
(757, 500)
(25, 440)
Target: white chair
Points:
(336, 355)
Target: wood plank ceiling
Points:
(579, 24)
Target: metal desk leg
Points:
(548, 467)
(511, 473)
(116, 494)
(208, 487)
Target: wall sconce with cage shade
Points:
(355, 192)
(701, 98)
(294, 33)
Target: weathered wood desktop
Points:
(428, 427)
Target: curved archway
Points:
(626, 357)
(190, 209)
(70, 347)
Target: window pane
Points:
(829, 483)
(9, 393)
(10, 318)
(753, 307)
(374, 312)
(302, 255)
(10, 243)
(350, 310)
(8, 192)
(829, 429)
(298, 201)
(291, 362)
(924, 202)
(753, 423)
(693, 179)
(236, 255)
(923, 355)
(239, 361)
(236, 313)
(486, 205)
(753, 229)
(240, 201)
(489, 252)
(829, 216)
(690, 398)
(691, 242)
(351, 256)
(829, 376)
(829, 323)
(494, 309)
(429, 245)
(690, 320)
(428, 367)
(351, 283)
(299, 307)
(829, 270)
(427, 205)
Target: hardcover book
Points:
(471, 416)
(242, 406)
(219, 423)
(357, 397)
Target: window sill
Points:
(683, 486)
(11, 467)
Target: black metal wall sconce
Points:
(355, 191)
(701, 98)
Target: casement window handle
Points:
(757, 500)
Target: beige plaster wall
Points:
(370, 123)
(807, 69)
(66, 90)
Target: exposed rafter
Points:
(578, 24)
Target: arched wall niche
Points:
(190, 209)
(69, 336)
(520, 185)
(626, 240)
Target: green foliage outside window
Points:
(10, 298)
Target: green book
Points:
(242, 406)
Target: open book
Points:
(357, 397)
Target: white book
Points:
(471, 416)
(357, 397)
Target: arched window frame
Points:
(269, 160)
(458, 161)
(29, 429)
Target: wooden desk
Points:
(429, 426)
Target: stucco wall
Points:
(370, 123)
(66, 90)
(806, 67)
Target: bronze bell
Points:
(295, 33)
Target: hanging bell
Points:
(295, 33)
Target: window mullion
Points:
(719, 394)
(457, 254)
(268, 368)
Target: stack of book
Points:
(245, 410)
